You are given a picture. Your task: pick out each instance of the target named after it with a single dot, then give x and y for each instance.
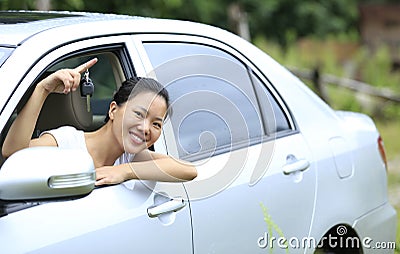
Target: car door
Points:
(132, 217)
(256, 177)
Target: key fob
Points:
(87, 88)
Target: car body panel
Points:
(240, 214)
(380, 227)
(77, 225)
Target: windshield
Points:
(4, 54)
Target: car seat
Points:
(60, 110)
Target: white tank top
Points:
(69, 137)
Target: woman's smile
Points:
(137, 139)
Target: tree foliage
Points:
(278, 20)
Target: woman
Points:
(119, 148)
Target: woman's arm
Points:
(20, 133)
(160, 168)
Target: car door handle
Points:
(295, 165)
(173, 205)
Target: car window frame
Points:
(179, 38)
(22, 91)
(30, 76)
(128, 57)
(28, 82)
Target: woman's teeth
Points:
(138, 139)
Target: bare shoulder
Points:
(147, 155)
(44, 140)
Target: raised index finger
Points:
(83, 67)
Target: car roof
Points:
(18, 26)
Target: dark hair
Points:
(136, 85)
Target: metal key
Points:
(87, 88)
(88, 103)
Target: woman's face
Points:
(140, 121)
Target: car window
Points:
(113, 67)
(160, 53)
(214, 104)
(274, 117)
(104, 80)
(106, 74)
(220, 114)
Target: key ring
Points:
(86, 75)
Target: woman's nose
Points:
(145, 126)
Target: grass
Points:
(390, 131)
(392, 196)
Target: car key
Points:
(87, 88)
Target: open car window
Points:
(104, 76)
(60, 110)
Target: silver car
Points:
(279, 171)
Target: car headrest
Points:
(60, 110)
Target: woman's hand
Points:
(112, 175)
(66, 80)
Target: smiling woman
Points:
(119, 148)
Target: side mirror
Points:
(46, 172)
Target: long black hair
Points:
(136, 85)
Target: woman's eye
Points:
(139, 114)
(157, 125)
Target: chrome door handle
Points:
(173, 205)
(295, 165)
